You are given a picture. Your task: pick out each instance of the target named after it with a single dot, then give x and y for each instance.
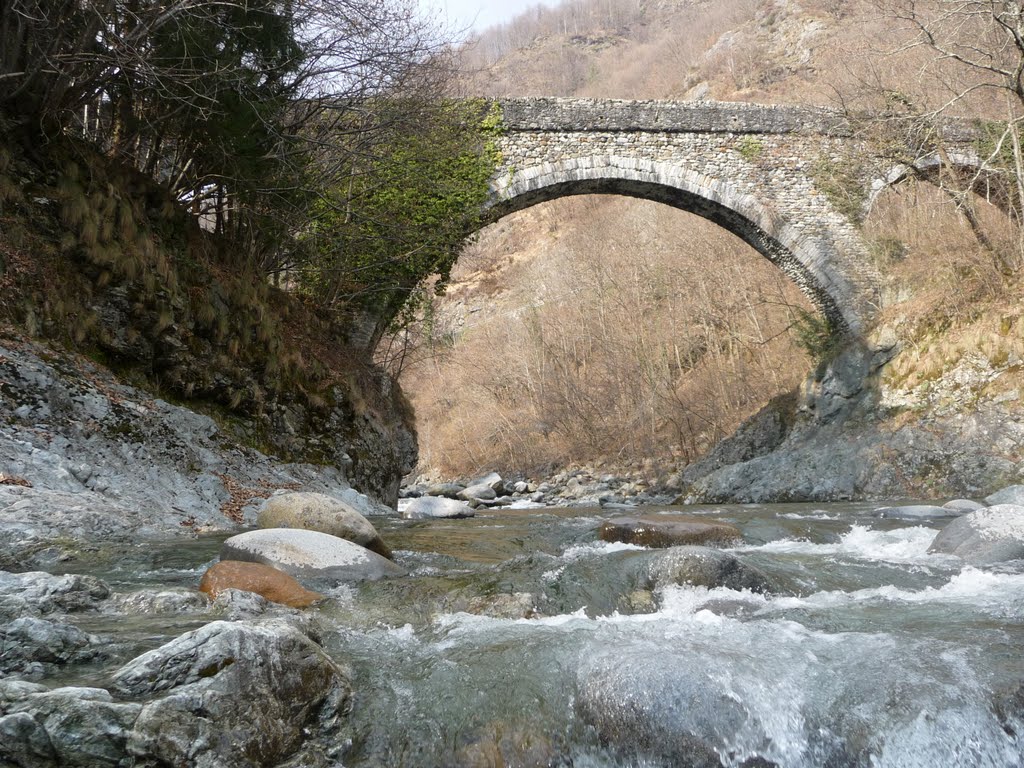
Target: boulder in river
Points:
(270, 583)
(704, 567)
(1012, 494)
(986, 536)
(478, 493)
(447, 490)
(29, 646)
(435, 506)
(503, 744)
(38, 593)
(669, 530)
(962, 506)
(492, 480)
(309, 555)
(323, 513)
(675, 711)
(231, 694)
(915, 512)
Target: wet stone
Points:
(669, 530)
(83, 727)
(915, 512)
(266, 684)
(1013, 494)
(962, 506)
(270, 583)
(705, 567)
(984, 537)
(149, 601)
(37, 593)
(323, 513)
(30, 646)
(436, 507)
(309, 555)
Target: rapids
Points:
(869, 652)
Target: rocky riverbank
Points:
(848, 434)
(89, 464)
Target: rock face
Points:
(109, 464)
(986, 536)
(319, 512)
(309, 555)
(436, 506)
(231, 694)
(705, 567)
(836, 444)
(270, 583)
(669, 531)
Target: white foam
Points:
(524, 504)
(598, 548)
(994, 594)
(817, 515)
(902, 545)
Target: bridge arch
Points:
(805, 257)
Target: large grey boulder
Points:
(986, 536)
(704, 567)
(674, 711)
(492, 480)
(72, 727)
(915, 512)
(448, 490)
(478, 493)
(323, 513)
(37, 593)
(31, 646)
(962, 506)
(309, 555)
(1013, 494)
(436, 507)
(231, 694)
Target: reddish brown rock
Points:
(669, 531)
(276, 586)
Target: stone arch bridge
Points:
(754, 170)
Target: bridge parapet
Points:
(620, 115)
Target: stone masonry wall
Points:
(750, 168)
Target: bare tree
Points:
(970, 63)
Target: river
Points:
(868, 651)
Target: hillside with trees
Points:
(229, 203)
(617, 332)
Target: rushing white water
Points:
(868, 652)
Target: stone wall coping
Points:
(552, 114)
(571, 115)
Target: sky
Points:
(480, 14)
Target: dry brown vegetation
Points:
(628, 330)
(614, 330)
